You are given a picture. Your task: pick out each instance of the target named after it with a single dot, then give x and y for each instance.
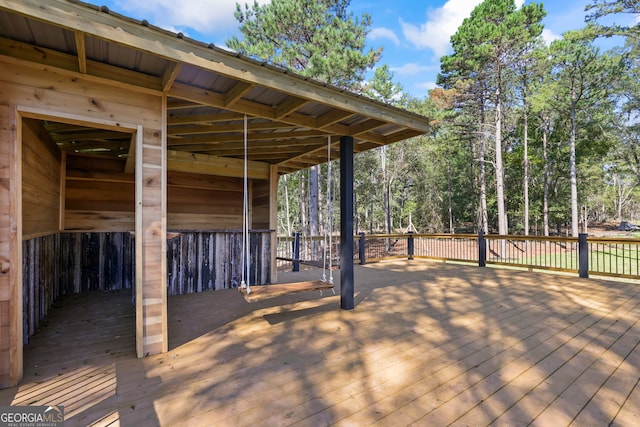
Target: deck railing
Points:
(614, 257)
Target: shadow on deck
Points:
(428, 343)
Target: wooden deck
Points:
(428, 344)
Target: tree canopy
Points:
(320, 39)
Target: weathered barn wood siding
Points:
(67, 263)
(200, 261)
(40, 182)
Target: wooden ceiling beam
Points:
(401, 136)
(332, 117)
(213, 165)
(236, 93)
(170, 75)
(289, 106)
(204, 118)
(290, 137)
(83, 136)
(180, 104)
(51, 58)
(199, 129)
(81, 48)
(366, 126)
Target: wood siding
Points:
(40, 182)
(100, 197)
(200, 261)
(67, 263)
(260, 204)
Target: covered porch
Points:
(113, 130)
(428, 343)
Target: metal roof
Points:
(209, 89)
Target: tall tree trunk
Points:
(285, 183)
(304, 205)
(545, 196)
(502, 215)
(573, 172)
(386, 189)
(525, 184)
(451, 230)
(483, 177)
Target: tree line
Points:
(527, 137)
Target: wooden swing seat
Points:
(319, 264)
(263, 292)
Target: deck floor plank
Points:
(428, 343)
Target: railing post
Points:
(296, 251)
(482, 250)
(410, 248)
(583, 256)
(362, 248)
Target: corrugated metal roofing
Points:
(290, 117)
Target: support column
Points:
(346, 223)
(151, 242)
(11, 367)
(273, 220)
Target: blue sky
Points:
(413, 33)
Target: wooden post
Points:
(296, 251)
(410, 245)
(583, 256)
(362, 247)
(273, 221)
(347, 292)
(482, 249)
(11, 333)
(151, 250)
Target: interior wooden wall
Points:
(100, 197)
(40, 182)
(260, 205)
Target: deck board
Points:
(427, 344)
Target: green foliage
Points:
(316, 38)
(599, 9)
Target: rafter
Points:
(236, 93)
(40, 55)
(81, 48)
(170, 74)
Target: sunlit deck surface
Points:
(429, 344)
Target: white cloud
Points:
(384, 33)
(440, 25)
(412, 68)
(549, 36)
(427, 85)
(207, 17)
